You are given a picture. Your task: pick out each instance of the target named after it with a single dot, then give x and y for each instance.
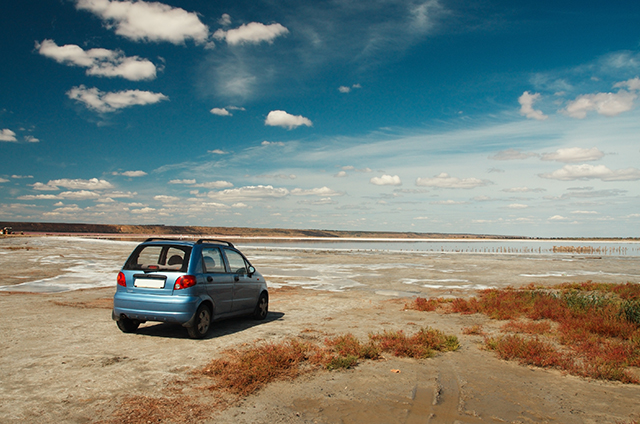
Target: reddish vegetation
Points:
(421, 345)
(527, 327)
(587, 329)
(426, 305)
(145, 409)
(244, 371)
(474, 330)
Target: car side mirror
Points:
(252, 271)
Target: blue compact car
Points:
(191, 283)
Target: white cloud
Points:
(523, 190)
(217, 152)
(353, 168)
(103, 102)
(214, 184)
(39, 197)
(77, 184)
(512, 154)
(345, 89)
(215, 205)
(3, 180)
(121, 194)
(558, 218)
(166, 199)
(278, 176)
(209, 184)
(585, 172)
(322, 191)
(448, 202)
(143, 210)
(443, 180)
(249, 193)
(421, 217)
(251, 33)
(392, 180)
(44, 187)
(220, 111)
(573, 154)
(131, 173)
(318, 202)
(273, 143)
(225, 20)
(99, 62)
(30, 139)
(585, 212)
(526, 106)
(280, 118)
(79, 195)
(341, 174)
(517, 206)
(632, 84)
(483, 199)
(144, 21)
(7, 135)
(607, 104)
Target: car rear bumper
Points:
(176, 309)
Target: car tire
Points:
(262, 307)
(127, 325)
(201, 324)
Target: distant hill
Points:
(106, 229)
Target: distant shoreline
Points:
(136, 232)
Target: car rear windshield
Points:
(159, 258)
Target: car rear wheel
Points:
(201, 324)
(127, 325)
(262, 308)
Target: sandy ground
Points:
(64, 360)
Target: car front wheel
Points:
(201, 324)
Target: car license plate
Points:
(149, 283)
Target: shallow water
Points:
(480, 246)
(54, 264)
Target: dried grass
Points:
(242, 372)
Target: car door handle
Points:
(209, 279)
(236, 278)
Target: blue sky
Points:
(487, 117)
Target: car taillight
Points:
(122, 280)
(185, 281)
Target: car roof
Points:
(160, 240)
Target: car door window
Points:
(212, 260)
(236, 262)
